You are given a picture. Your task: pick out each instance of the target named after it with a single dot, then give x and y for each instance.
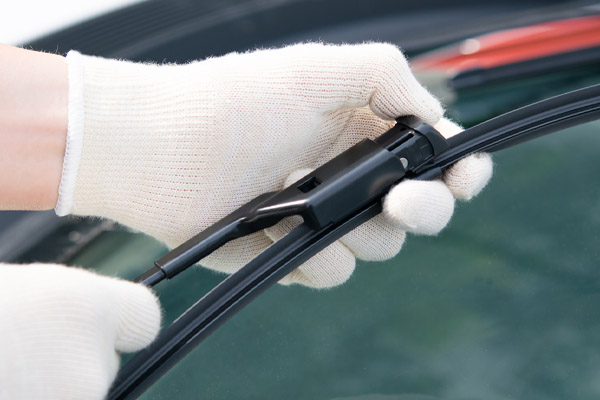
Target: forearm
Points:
(33, 127)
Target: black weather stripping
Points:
(332, 200)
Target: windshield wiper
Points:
(333, 199)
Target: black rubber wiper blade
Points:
(523, 124)
(418, 152)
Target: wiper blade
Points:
(359, 176)
(332, 200)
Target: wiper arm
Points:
(332, 200)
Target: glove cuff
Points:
(74, 134)
(128, 123)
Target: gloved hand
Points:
(170, 149)
(61, 329)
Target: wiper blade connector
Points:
(330, 194)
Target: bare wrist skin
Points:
(33, 127)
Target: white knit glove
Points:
(61, 329)
(170, 149)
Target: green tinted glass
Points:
(501, 305)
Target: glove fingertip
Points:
(331, 267)
(139, 317)
(419, 207)
(286, 280)
(467, 177)
(375, 240)
(447, 128)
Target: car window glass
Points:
(501, 305)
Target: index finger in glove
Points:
(350, 76)
(467, 177)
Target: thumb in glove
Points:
(62, 330)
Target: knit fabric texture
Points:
(63, 327)
(170, 149)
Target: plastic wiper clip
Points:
(330, 194)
